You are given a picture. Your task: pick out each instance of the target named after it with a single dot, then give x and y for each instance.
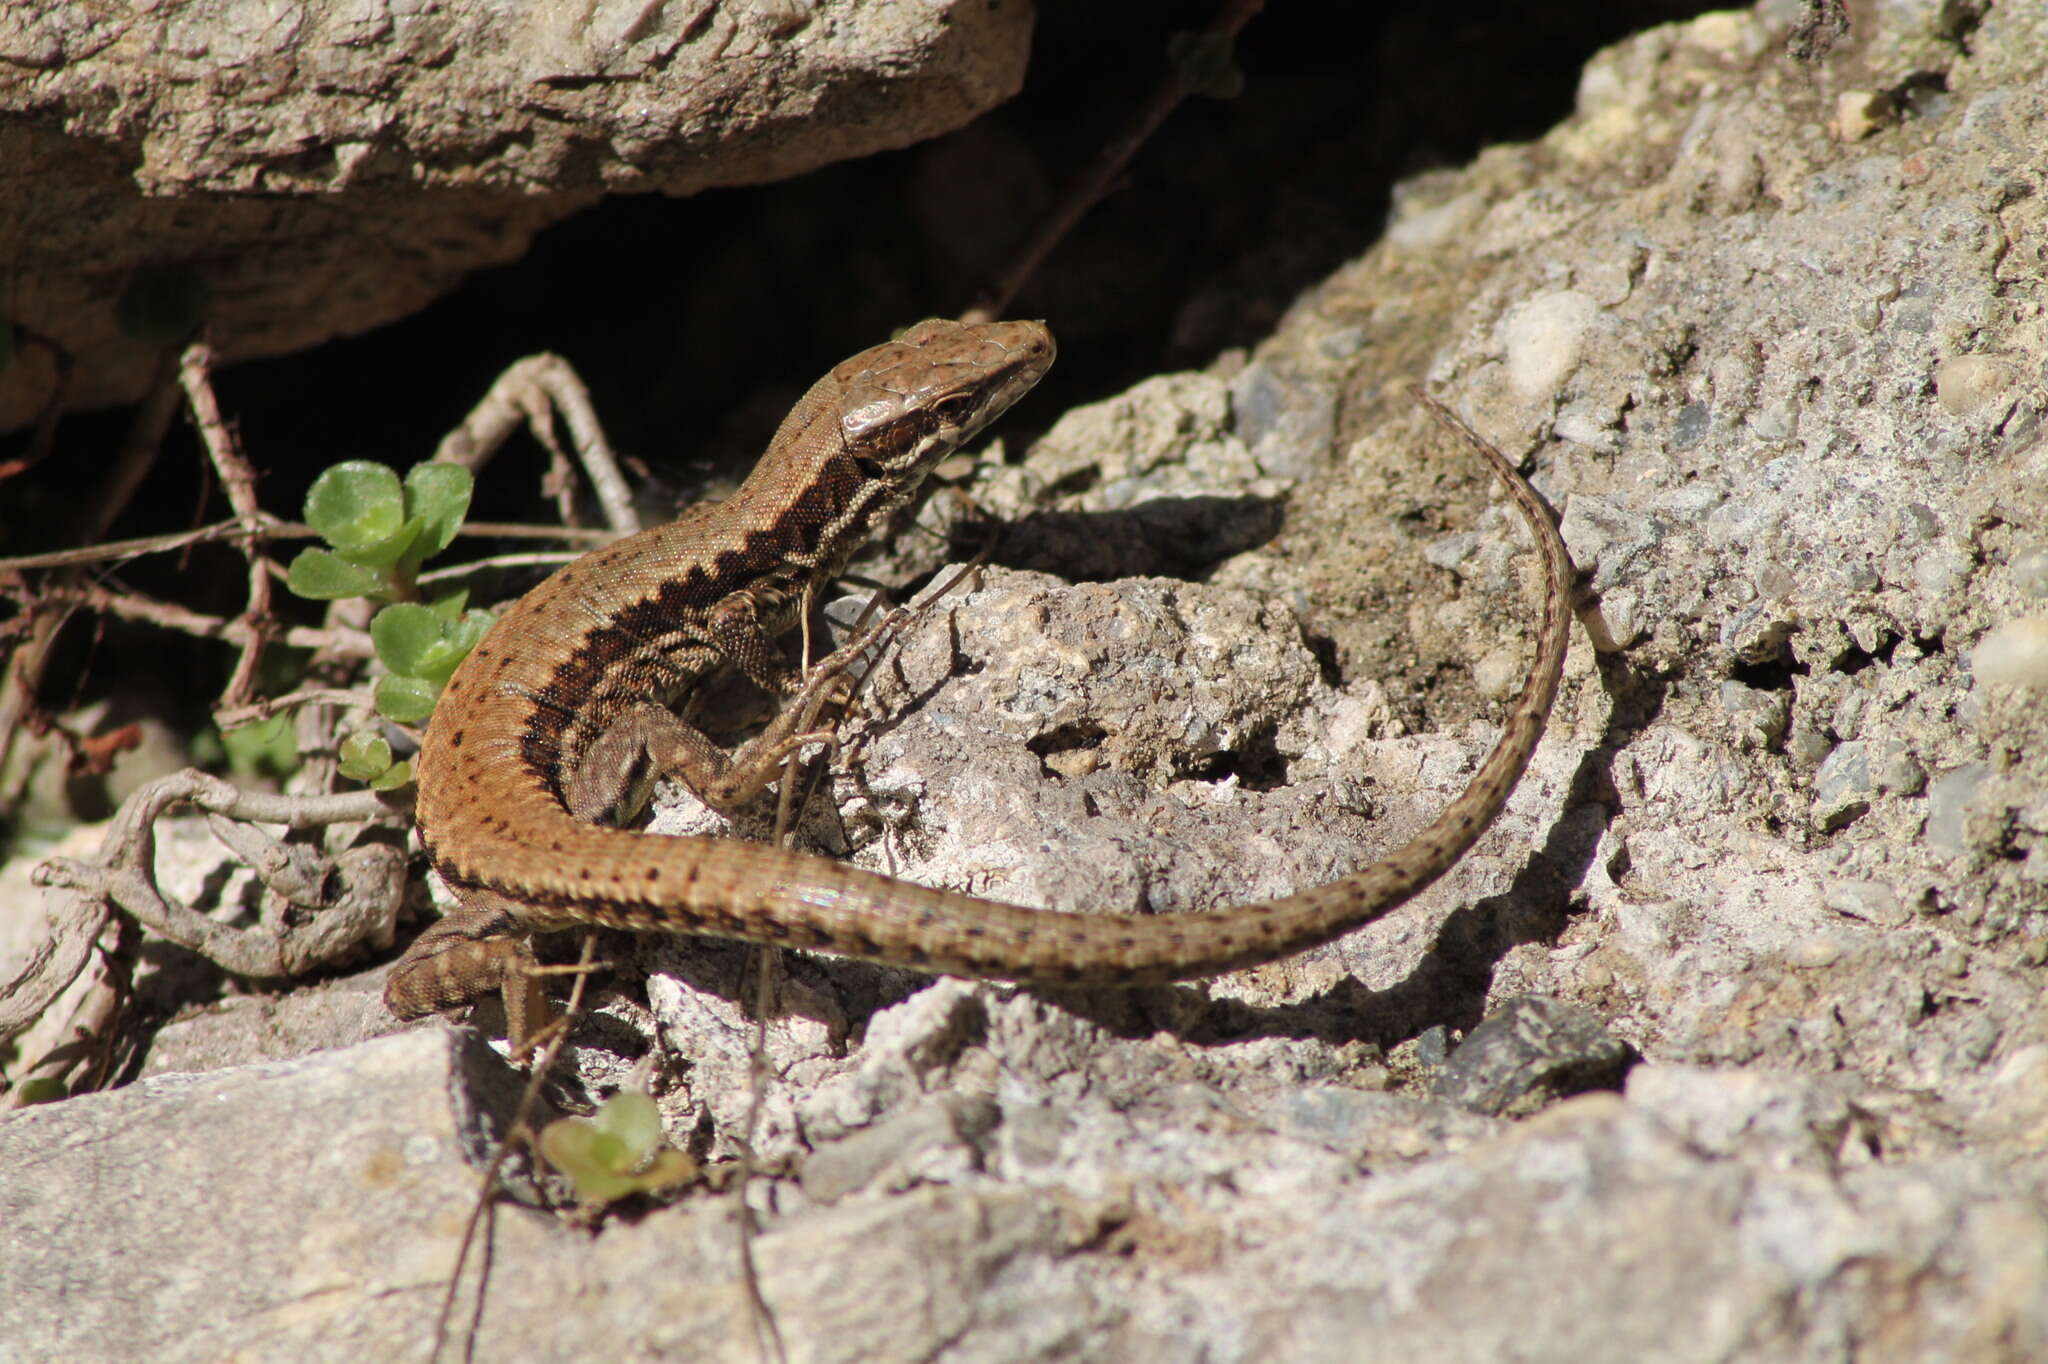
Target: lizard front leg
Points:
(614, 777)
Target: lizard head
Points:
(910, 402)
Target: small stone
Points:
(2030, 571)
(1847, 721)
(1859, 113)
(1610, 541)
(1288, 422)
(1343, 343)
(1939, 572)
(1500, 673)
(1948, 800)
(1543, 340)
(1845, 772)
(1842, 785)
(1916, 524)
(1871, 901)
(1588, 424)
(1964, 383)
(1760, 717)
(1450, 552)
(2015, 653)
(1614, 620)
(1693, 422)
(1426, 230)
(1809, 746)
(1815, 951)
(1899, 772)
(1074, 762)
(1532, 1052)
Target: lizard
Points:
(549, 733)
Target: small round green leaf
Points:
(600, 1162)
(633, 1118)
(439, 493)
(356, 504)
(261, 748)
(365, 756)
(394, 551)
(40, 1089)
(587, 1157)
(394, 776)
(320, 576)
(465, 633)
(407, 636)
(407, 700)
(448, 606)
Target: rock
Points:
(1531, 1053)
(372, 157)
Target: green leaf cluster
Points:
(381, 530)
(616, 1153)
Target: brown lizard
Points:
(555, 724)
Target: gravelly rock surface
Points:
(1778, 361)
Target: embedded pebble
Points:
(1916, 524)
(1965, 383)
(1814, 952)
(1451, 551)
(1614, 621)
(1532, 1052)
(1872, 901)
(1948, 800)
(1588, 424)
(1760, 715)
(1288, 422)
(2015, 653)
(1841, 784)
(1899, 772)
(1940, 571)
(1859, 113)
(1500, 673)
(2030, 571)
(1609, 541)
(1543, 339)
(1430, 228)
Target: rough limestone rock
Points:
(1769, 336)
(328, 168)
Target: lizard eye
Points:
(954, 409)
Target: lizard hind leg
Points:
(470, 953)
